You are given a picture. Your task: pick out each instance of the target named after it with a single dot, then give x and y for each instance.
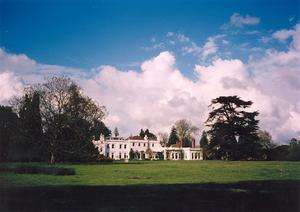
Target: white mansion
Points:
(123, 149)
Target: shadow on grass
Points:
(242, 196)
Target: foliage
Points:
(150, 135)
(164, 137)
(173, 138)
(8, 128)
(185, 130)
(34, 169)
(204, 144)
(116, 132)
(294, 150)
(58, 122)
(227, 120)
(142, 133)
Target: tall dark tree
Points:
(30, 136)
(142, 133)
(8, 129)
(233, 130)
(100, 128)
(173, 138)
(204, 144)
(150, 135)
(116, 132)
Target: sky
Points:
(154, 62)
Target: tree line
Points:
(55, 122)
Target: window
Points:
(124, 146)
(120, 156)
(107, 155)
(132, 144)
(144, 144)
(112, 146)
(107, 145)
(139, 144)
(100, 149)
(112, 155)
(120, 146)
(152, 145)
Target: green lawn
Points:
(159, 172)
(156, 186)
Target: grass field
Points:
(157, 185)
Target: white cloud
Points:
(283, 35)
(158, 94)
(237, 20)
(10, 85)
(209, 48)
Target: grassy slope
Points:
(161, 172)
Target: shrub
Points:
(30, 169)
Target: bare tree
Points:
(185, 130)
(163, 137)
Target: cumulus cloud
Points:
(10, 85)
(159, 94)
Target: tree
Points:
(150, 135)
(8, 128)
(164, 137)
(185, 130)
(100, 128)
(294, 150)
(228, 121)
(31, 126)
(266, 144)
(69, 119)
(204, 144)
(116, 132)
(173, 138)
(142, 133)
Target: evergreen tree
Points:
(150, 135)
(173, 138)
(142, 133)
(31, 136)
(203, 140)
(228, 120)
(116, 132)
(204, 144)
(8, 129)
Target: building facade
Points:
(141, 149)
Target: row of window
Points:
(121, 156)
(125, 146)
(196, 155)
(139, 144)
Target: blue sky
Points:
(86, 34)
(152, 63)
